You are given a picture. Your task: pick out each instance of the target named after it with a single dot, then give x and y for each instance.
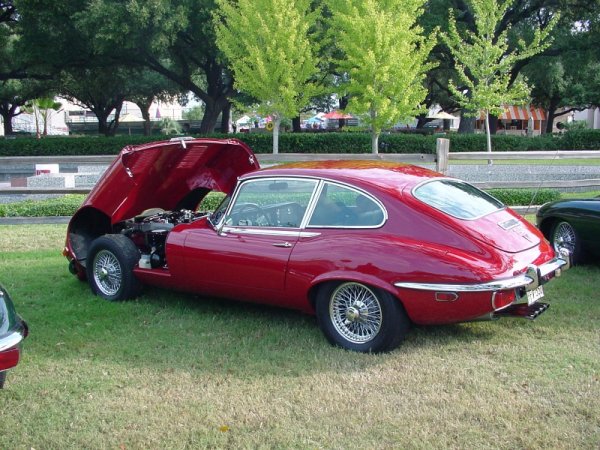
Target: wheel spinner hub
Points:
(355, 312)
(107, 273)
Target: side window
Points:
(271, 203)
(340, 206)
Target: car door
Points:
(248, 254)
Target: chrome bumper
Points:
(11, 340)
(530, 280)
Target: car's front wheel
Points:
(2, 379)
(109, 267)
(564, 236)
(358, 317)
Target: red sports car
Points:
(368, 246)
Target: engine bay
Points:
(149, 232)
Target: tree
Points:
(174, 38)
(384, 54)
(270, 54)
(42, 109)
(102, 90)
(145, 87)
(570, 80)
(484, 60)
(15, 94)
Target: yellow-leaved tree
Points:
(269, 49)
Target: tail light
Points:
(502, 299)
(9, 358)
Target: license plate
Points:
(535, 295)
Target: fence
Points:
(440, 160)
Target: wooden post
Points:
(442, 148)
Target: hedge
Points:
(68, 204)
(324, 142)
(525, 197)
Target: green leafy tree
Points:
(384, 54)
(15, 94)
(485, 60)
(102, 90)
(269, 49)
(146, 87)
(569, 79)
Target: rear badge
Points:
(508, 224)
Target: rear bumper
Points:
(436, 303)
(10, 346)
(530, 280)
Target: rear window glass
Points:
(457, 199)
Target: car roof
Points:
(385, 175)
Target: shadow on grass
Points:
(167, 330)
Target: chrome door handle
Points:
(282, 244)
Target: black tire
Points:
(563, 235)
(109, 267)
(361, 318)
(2, 379)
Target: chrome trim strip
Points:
(552, 266)
(10, 341)
(269, 232)
(499, 285)
(316, 194)
(524, 280)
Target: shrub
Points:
(58, 206)
(320, 142)
(525, 197)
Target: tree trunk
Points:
(276, 123)
(493, 123)
(147, 122)
(211, 115)
(144, 106)
(7, 119)
(8, 111)
(226, 118)
(552, 107)
(296, 125)
(488, 136)
(374, 142)
(421, 121)
(467, 124)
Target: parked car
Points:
(368, 246)
(574, 225)
(13, 330)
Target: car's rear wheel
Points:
(358, 317)
(564, 236)
(110, 264)
(2, 379)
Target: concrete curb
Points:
(34, 220)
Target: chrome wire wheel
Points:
(355, 312)
(107, 271)
(564, 237)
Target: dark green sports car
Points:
(12, 332)
(574, 225)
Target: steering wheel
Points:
(249, 212)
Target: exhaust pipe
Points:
(523, 310)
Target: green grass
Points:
(172, 370)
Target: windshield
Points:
(457, 199)
(217, 215)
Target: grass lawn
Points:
(173, 370)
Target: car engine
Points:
(149, 232)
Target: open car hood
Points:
(170, 175)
